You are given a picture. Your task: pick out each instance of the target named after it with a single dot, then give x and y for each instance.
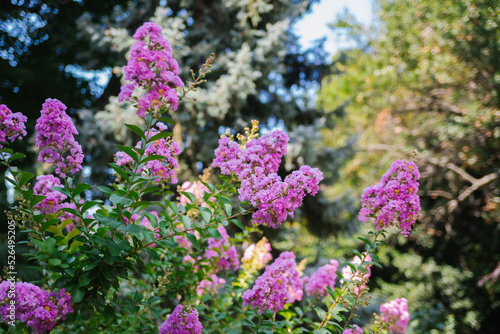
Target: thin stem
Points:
(346, 286)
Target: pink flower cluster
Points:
(393, 198)
(256, 165)
(197, 188)
(210, 285)
(11, 125)
(152, 68)
(279, 285)
(53, 199)
(37, 308)
(56, 140)
(396, 311)
(355, 329)
(182, 322)
(164, 168)
(362, 278)
(256, 256)
(323, 277)
(222, 253)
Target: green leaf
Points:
(132, 228)
(25, 177)
(120, 170)
(152, 219)
(161, 135)
(89, 204)
(80, 188)
(16, 156)
(206, 214)
(190, 196)
(117, 199)
(77, 295)
(186, 221)
(167, 120)
(55, 262)
(238, 223)
(194, 241)
(136, 129)
(61, 190)
(108, 221)
(129, 151)
(172, 206)
(214, 233)
(105, 190)
(229, 208)
(154, 255)
(36, 199)
(109, 313)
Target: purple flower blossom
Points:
(210, 285)
(152, 68)
(182, 322)
(163, 168)
(256, 165)
(39, 309)
(355, 329)
(55, 139)
(324, 277)
(53, 199)
(396, 311)
(222, 253)
(12, 125)
(279, 285)
(394, 198)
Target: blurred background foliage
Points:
(424, 76)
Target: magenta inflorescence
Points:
(53, 199)
(163, 168)
(256, 166)
(354, 329)
(152, 68)
(324, 277)
(38, 309)
(55, 139)
(396, 311)
(394, 198)
(358, 275)
(12, 125)
(222, 253)
(182, 321)
(279, 285)
(210, 285)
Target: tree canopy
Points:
(424, 77)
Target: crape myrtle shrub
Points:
(170, 266)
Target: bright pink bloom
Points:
(12, 125)
(182, 322)
(222, 253)
(55, 139)
(152, 68)
(256, 165)
(396, 311)
(358, 276)
(53, 199)
(394, 198)
(355, 329)
(324, 277)
(210, 285)
(279, 285)
(37, 308)
(163, 168)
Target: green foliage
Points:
(424, 78)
